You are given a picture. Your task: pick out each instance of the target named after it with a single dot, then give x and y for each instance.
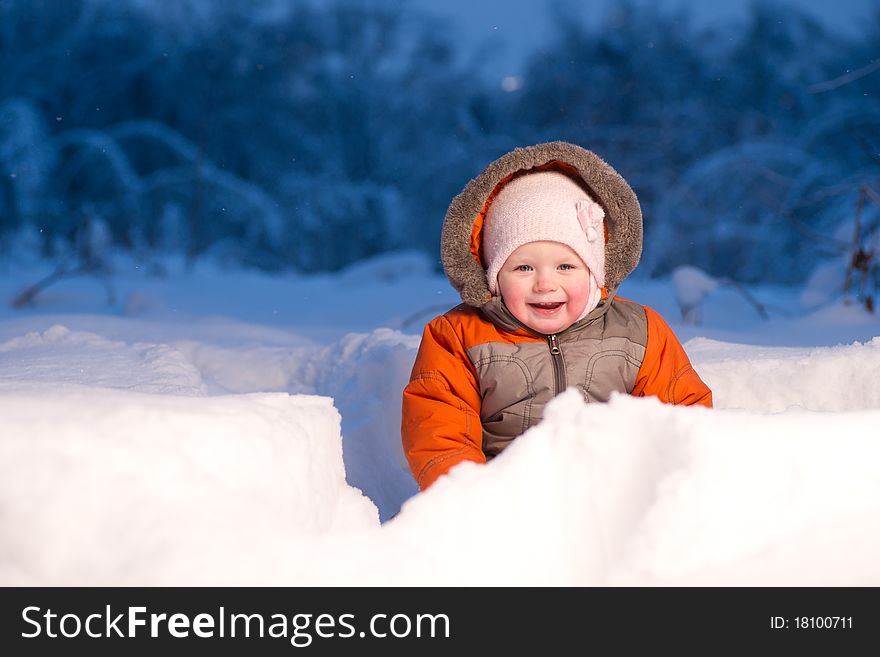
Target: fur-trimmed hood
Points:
(462, 227)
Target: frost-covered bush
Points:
(204, 112)
(312, 135)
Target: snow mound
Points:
(692, 285)
(773, 379)
(104, 487)
(59, 356)
(634, 492)
(107, 487)
(366, 374)
(249, 368)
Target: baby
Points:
(537, 246)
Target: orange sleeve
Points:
(666, 372)
(441, 425)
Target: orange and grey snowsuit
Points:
(481, 378)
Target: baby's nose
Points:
(545, 283)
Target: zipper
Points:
(555, 354)
(558, 363)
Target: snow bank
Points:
(103, 483)
(59, 355)
(105, 487)
(365, 374)
(637, 493)
(770, 380)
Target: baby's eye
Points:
(566, 267)
(523, 268)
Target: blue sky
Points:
(513, 27)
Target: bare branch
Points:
(854, 250)
(852, 76)
(27, 296)
(759, 307)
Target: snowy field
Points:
(234, 428)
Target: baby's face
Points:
(545, 285)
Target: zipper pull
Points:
(554, 347)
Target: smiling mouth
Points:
(547, 307)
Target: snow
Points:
(108, 487)
(226, 427)
(692, 286)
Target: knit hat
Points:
(543, 206)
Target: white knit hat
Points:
(543, 206)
